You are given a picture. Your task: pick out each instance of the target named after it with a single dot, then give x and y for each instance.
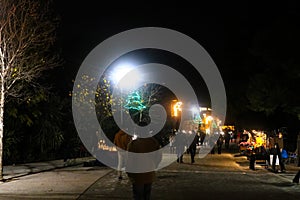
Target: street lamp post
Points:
(117, 76)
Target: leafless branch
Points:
(27, 32)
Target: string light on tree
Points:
(134, 102)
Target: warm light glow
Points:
(176, 108)
(208, 119)
(207, 131)
(204, 109)
(105, 147)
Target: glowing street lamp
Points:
(117, 74)
(122, 70)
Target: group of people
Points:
(142, 182)
(276, 148)
(181, 141)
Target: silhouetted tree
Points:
(274, 86)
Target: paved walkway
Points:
(211, 173)
(15, 171)
(215, 177)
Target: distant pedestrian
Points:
(142, 182)
(121, 140)
(180, 142)
(276, 148)
(220, 142)
(227, 137)
(202, 137)
(193, 147)
(171, 143)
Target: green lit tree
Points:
(135, 102)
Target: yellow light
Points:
(208, 119)
(176, 108)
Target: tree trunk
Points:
(298, 148)
(1, 127)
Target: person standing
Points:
(121, 140)
(220, 143)
(142, 182)
(278, 150)
(272, 152)
(171, 143)
(193, 147)
(227, 138)
(179, 143)
(202, 137)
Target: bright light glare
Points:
(195, 110)
(120, 71)
(131, 80)
(133, 76)
(134, 137)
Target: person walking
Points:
(179, 143)
(142, 182)
(121, 140)
(193, 147)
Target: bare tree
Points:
(27, 35)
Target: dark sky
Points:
(226, 31)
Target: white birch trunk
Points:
(27, 33)
(2, 93)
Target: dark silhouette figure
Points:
(252, 161)
(193, 147)
(219, 144)
(277, 149)
(297, 177)
(202, 137)
(227, 139)
(142, 182)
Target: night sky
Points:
(228, 32)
